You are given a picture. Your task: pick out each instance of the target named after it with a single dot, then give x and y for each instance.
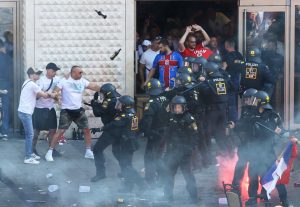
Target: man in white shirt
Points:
(71, 109)
(146, 61)
(29, 93)
(44, 115)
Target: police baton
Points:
(281, 135)
(189, 89)
(88, 104)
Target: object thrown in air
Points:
(100, 14)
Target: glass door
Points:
(10, 75)
(295, 65)
(266, 27)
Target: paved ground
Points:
(26, 185)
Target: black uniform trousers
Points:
(179, 158)
(153, 155)
(102, 143)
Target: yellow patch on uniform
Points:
(194, 126)
(251, 73)
(118, 118)
(189, 78)
(123, 115)
(149, 84)
(105, 104)
(252, 52)
(135, 123)
(221, 88)
(147, 106)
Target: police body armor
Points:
(156, 109)
(129, 125)
(268, 118)
(106, 110)
(219, 87)
(251, 76)
(183, 129)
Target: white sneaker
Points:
(89, 154)
(48, 156)
(36, 157)
(31, 161)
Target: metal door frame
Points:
(294, 3)
(258, 6)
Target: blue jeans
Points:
(28, 129)
(5, 113)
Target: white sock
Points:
(50, 151)
(88, 149)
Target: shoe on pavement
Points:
(49, 157)
(34, 156)
(4, 135)
(89, 154)
(35, 152)
(56, 153)
(97, 178)
(31, 161)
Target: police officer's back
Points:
(155, 114)
(255, 74)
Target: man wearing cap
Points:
(44, 115)
(147, 59)
(29, 93)
(72, 90)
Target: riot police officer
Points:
(265, 120)
(180, 141)
(215, 89)
(153, 125)
(255, 74)
(104, 108)
(241, 127)
(232, 98)
(124, 128)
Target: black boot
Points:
(56, 153)
(252, 202)
(97, 177)
(285, 203)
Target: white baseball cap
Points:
(146, 43)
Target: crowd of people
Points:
(193, 86)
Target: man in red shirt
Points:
(193, 49)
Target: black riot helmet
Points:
(262, 99)
(154, 87)
(254, 55)
(178, 105)
(109, 91)
(188, 61)
(125, 103)
(185, 69)
(248, 97)
(184, 79)
(201, 61)
(215, 58)
(212, 69)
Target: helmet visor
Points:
(195, 67)
(248, 101)
(177, 109)
(118, 106)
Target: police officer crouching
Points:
(255, 74)
(182, 133)
(105, 108)
(153, 125)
